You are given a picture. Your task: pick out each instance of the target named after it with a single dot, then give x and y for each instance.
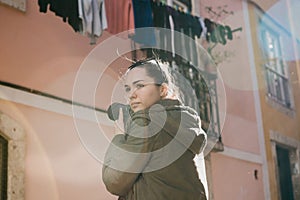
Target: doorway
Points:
(284, 170)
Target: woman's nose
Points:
(132, 94)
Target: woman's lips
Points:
(134, 105)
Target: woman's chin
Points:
(136, 108)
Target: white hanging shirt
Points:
(93, 16)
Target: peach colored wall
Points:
(41, 52)
(234, 179)
(240, 129)
(57, 165)
(39, 48)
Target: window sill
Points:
(279, 107)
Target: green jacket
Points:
(153, 160)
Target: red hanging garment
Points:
(119, 15)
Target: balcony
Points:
(204, 99)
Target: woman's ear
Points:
(164, 90)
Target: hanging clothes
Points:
(180, 35)
(119, 16)
(195, 32)
(161, 20)
(66, 9)
(143, 21)
(204, 29)
(184, 29)
(216, 33)
(185, 44)
(93, 17)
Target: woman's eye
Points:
(138, 86)
(127, 89)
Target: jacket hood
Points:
(179, 121)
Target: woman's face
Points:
(141, 90)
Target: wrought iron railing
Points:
(205, 89)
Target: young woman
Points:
(153, 159)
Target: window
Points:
(275, 68)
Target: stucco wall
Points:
(57, 165)
(276, 118)
(41, 52)
(235, 179)
(233, 170)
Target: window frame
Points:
(277, 80)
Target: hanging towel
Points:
(93, 17)
(119, 15)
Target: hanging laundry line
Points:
(92, 17)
